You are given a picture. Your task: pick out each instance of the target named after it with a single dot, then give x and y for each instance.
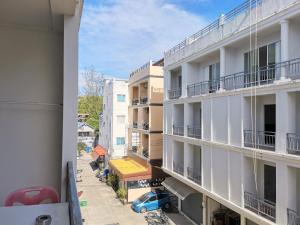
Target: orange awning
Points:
(98, 151)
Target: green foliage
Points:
(113, 181)
(91, 105)
(80, 147)
(121, 192)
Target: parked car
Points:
(151, 201)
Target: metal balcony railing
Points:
(178, 168)
(261, 76)
(174, 94)
(260, 139)
(145, 126)
(72, 198)
(178, 130)
(293, 143)
(293, 218)
(203, 87)
(144, 100)
(135, 101)
(194, 175)
(194, 132)
(135, 125)
(146, 152)
(260, 206)
(134, 149)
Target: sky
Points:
(118, 36)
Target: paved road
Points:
(103, 208)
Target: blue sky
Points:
(118, 36)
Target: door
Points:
(270, 183)
(270, 124)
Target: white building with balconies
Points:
(113, 121)
(232, 117)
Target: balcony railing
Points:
(293, 218)
(135, 101)
(259, 139)
(146, 152)
(135, 125)
(178, 168)
(293, 143)
(233, 21)
(194, 175)
(145, 126)
(144, 100)
(134, 149)
(174, 94)
(194, 132)
(178, 130)
(203, 87)
(261, 76)
(260, 206)
(74, 208)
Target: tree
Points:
(90, 102)
(80, 146)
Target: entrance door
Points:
(270, 183)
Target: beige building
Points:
(145, 116)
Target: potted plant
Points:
(121, 193)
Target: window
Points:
(120, 119)
(153, 198)
(121, 98)
(120, 141)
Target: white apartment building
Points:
(86, 134)
(113, 121)
(38, 107)
(232, 117)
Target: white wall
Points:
(31, 70)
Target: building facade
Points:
(86, 134)
(146, 113)
(231, 117)
(113, 120)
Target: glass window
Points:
(120, 141)
(121, 98)
(153, 198)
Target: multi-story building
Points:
(231, 117)
(86, 134)
(38, 109)
(146, 113)
(113, 120)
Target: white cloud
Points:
(117, 36)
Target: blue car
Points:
(151, 201)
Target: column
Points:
(284, 46)
(187, 116)
(281, 192)
(184, 74)
(222, 66)
(167, 80)
(285, 118)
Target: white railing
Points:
(235, 20)
(293, 217)
(260, 206)
(145, 66)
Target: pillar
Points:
(284, 34)
(281, 192)
(184, 74)
(222, 66)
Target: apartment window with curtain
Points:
(120, 141)
(121, 98)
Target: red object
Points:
(98, 151)
(32, 196)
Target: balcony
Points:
(293, 218)
(260, 139)
(146, 152)
(135, 125)
(260, 206)
(178, 130)
(144, 100)
(178, 168)
(194, 132)
(194, 175)
(175, 93)
(135, 101)
(293, 143)
(262, 76)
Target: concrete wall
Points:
(31, 70)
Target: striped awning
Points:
(178, 188)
